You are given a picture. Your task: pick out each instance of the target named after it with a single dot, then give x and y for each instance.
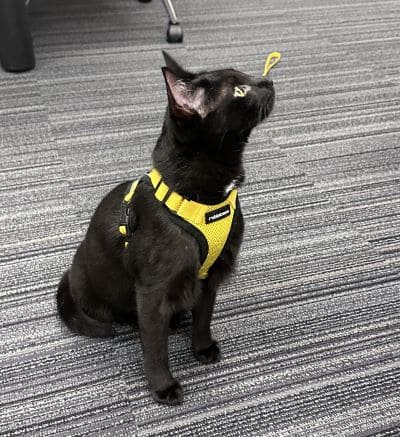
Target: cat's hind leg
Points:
(78, 316)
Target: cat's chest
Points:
(233, 184)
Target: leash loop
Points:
(272, 59)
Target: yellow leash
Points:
(272, 60)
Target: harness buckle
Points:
(124, 216)
(127, 219)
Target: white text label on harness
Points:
(218, 214)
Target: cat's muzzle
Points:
(268, 100)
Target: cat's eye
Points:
(241, 90)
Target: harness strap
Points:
(127, 219)
(129, 195)
(187, 209)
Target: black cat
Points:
(153, 272)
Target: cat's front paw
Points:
(172, 395)
(209, 355)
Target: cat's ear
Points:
(175, 68)
(185, 101)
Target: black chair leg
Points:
(16, 45)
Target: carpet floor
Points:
(310, 324)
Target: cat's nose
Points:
(267, 83)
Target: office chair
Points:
(16, 45)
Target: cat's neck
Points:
(195, 174)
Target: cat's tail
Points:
(74, 316)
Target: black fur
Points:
(199, 153)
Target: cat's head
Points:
(212, 106)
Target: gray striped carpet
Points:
(310, 324)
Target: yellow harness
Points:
(214, 222)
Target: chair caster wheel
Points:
(174, 33)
